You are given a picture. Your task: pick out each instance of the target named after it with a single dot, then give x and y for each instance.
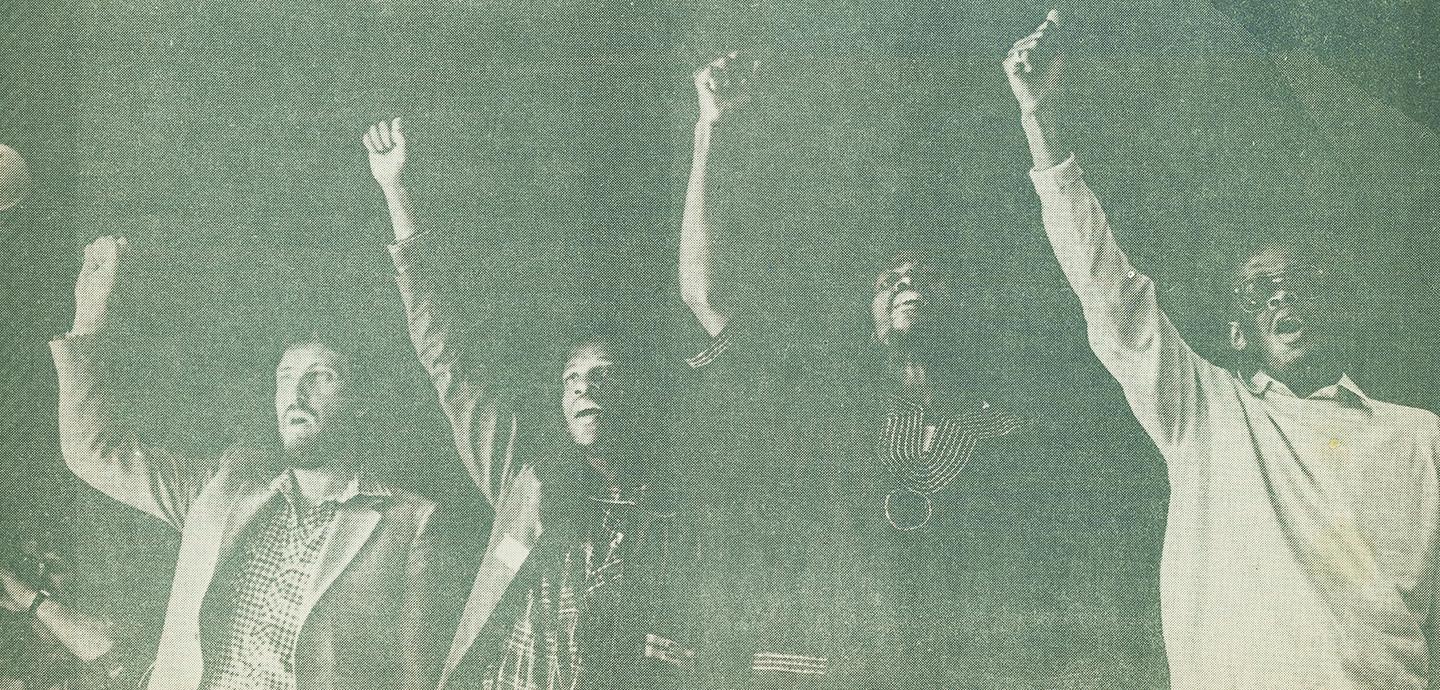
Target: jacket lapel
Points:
(516, 531)
(242, 512)
(355, 521)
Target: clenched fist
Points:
(721, 84)
(1033, 66)
(385, 143)
(96, 283)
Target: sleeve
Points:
(1432, 627)
(1163, 379)
(484, 429)
(715, 348)
(747, 343)
(112, 460)
(435, 578)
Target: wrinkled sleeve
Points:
(111, 459)
(1164, 380)
(483, 427)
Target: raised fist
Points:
(721, 84)
(96, 283)
(385, 143)
(1033, 66)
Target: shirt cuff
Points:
(796, 664)
(406, 253)
(74, 341)
(718, 345)
(1056, 178)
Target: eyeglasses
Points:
(1300, 283)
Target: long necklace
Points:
(921, 471)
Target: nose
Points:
(905, 283)
(1281, 297)
(303, 388)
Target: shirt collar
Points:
(1343, 390)
(359, 484)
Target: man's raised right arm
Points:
(482, 427)
(108, 458)
(1130, 334)
(720, 86)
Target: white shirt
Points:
(1300, 550)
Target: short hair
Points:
(354, 363)
(916, 257)
(1302, 252)
(633, 355)
(344, 349)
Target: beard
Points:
(315, 450)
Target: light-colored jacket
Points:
(486, 433)
(374, 612)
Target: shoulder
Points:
(416, 518)
(245, 463)
(1405, 416)
(403, 502)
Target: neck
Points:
(1303, 379)
(909, 376)
(914, 383)
(609, 472)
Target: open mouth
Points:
(908, 299)
(587, 413)
(1289, 325)
(299, 417)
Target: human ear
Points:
(880, 312)
(1237, 337)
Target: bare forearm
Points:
(1034, 68)
(402, 216)
(1046, 150)
(695, 236)
(87, 637)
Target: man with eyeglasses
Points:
(1304, 515)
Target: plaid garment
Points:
(278, 562)
(546, 647)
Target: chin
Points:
(309, 451)
(906, 321)
(583, 438)
(908, 332)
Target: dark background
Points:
(551, 139)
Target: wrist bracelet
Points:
(40, 596)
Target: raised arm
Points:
(1162, 377)
(719, 85)
(483, 430)
(385, 146)
(102, 455)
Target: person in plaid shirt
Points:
(297, 570)
(573, 589)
